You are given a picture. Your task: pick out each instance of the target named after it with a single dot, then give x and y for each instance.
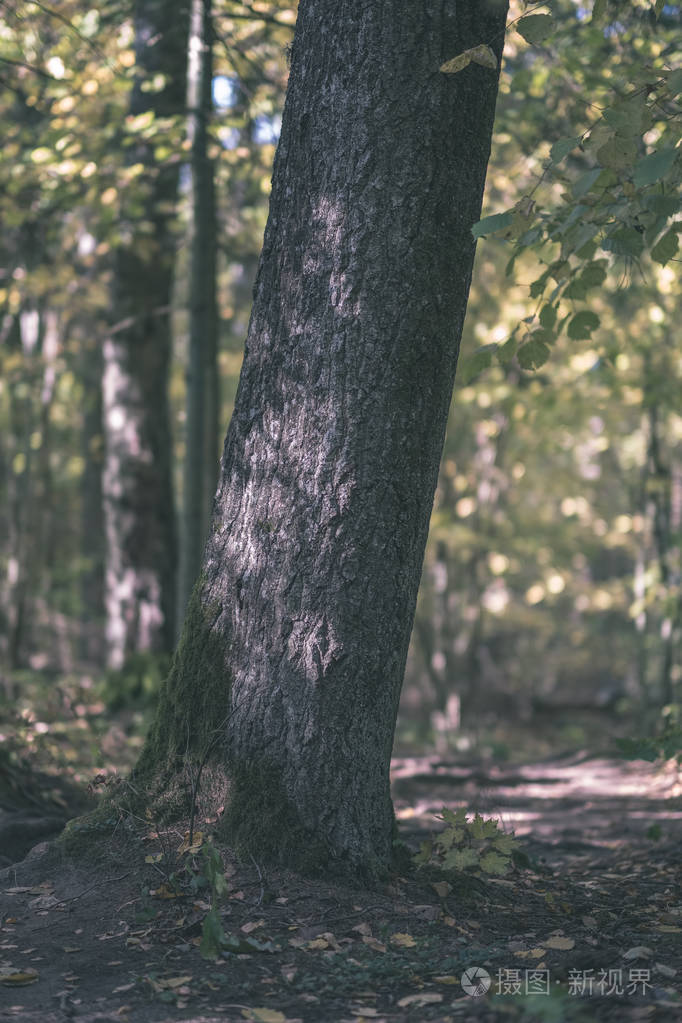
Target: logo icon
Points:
(475, 981)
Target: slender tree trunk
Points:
(288, 673)
(201, 465)
(137, 481)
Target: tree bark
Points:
(288, 673)
(200, 475)
(137, 480)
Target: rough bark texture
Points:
(300, 623)
(137, 482)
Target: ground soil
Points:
(595, 902)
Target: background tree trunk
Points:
(201, 463)
(300, 625)
(137, 481)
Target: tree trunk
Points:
(137, 481)
(288, 673)
(201, 465)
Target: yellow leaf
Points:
(558, 942)
(18, 978)
(447, 979)
(197, 839)
(156, 858)
(317, 943)
(264, 1015)
(532, 953)
(403, 940)
(171, 982)
(373, 943)
(451, 67)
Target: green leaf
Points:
(212, 935)
(548, 316)
(662, 205)
(674, 82)
(493, 863)
(630, 116)
(594, 274)
(533, 354)
(456, 817)
(653, 167)
(624, 242)
(665, 248)
(618, 153)
(582, 324)
(505, 844)
(658, 7)
(474, 364)
(562, 148)
(535, 27)
(424, 854)
(488, 225)
(506, 352)
(482, 828)
(585, 182)
(460, 859)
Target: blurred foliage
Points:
(551, 584)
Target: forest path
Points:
(590, 929)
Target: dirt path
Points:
(588, 929)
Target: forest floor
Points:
(589, 928)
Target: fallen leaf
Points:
(317, 943)
(43, 902)
(362, 928)
(19, 978)
(447, 979)
(173, 982)
(264, 1015)
(442, 888)
(374, 943)
(252, 926)
(424, 998)
(403, 940)
(561, 943)
(590, 922)
(638, 952)
(197, 839)
(665, 971)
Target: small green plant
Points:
(478, 846)
(664, 746)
